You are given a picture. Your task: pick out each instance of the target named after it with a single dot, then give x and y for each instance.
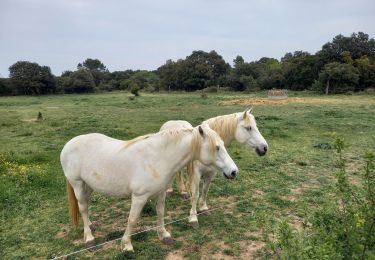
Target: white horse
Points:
(140, 169)
(240, 126)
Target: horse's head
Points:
(248, 133)
(213, 152)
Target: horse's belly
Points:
(110, 185)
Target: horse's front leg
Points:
(164, 235)
(136, 207)
(207, 178)
(195, 177)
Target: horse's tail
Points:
(190, 173)
(73, 204)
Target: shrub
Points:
(79, 82)
(5, 87)
(342, 228)
(211, 89)
(134, 89)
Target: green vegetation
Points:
(345, 64)
(293, 208)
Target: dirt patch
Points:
(206, 254)
(262, 101)
(304, 186)
(33, 120)
(250, 249)
(296, 222)
(258, 193)
(309, 100)
(175, 255)
(230, 203)
(61, 234)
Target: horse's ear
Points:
(250, 110)
(201, 131)
(244, 114)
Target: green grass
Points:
(297, 173)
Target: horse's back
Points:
(172, 124)
(81, 146)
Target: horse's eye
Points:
(217, 148)
(248, 128)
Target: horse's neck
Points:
(171, 155)
(178, 153)
(228, 139)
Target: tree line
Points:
(347, 63)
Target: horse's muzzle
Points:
(262, 150)
(230, 176)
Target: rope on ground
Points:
(146, 230)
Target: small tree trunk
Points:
(327, 87)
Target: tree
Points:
(199, 70)
(92, 64)
(31, 79)
(80, 81)
(96, 68)
(358, 45)
(66, 73)
(299, 70)
(338, 78)
(366, 70)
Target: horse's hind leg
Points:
(207, 178)
(164, 235)
(81, 194)
(170, 187)
(88, 194)
(181, 184)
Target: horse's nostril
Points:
(265, 149)
(233, 174)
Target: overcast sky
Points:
(143, 34)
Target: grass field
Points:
(295, 176)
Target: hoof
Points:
(194, 224)
(92, 227)
(169, 193)
(128, 249)
(185, 195)
(204, 212)
(128, 253)
(90, 243)
(168, 240)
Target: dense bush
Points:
(80, 81)
(134, 88)
(5, 87)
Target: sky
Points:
(144, 34)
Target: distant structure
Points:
(278, 94)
